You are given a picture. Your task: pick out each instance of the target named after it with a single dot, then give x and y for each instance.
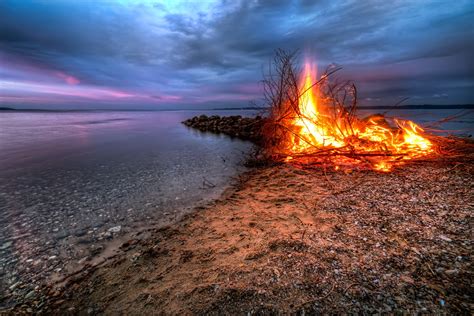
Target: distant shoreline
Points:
(368, 107)
(418, 107)
(388, 107)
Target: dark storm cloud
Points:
(187, 53)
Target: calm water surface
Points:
(71, 182)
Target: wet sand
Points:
(287, 239)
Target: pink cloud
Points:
(26, 82)
(68, 78)
(34, 92)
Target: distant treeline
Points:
(419, 107)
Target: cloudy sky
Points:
(207, 54)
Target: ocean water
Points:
(73, 182)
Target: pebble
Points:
(82, 260)
(445, 238)
(115, 229)
(6, 245)
(14, 286)
(30, 294)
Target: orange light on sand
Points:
(319, 126)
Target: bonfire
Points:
(315, 121)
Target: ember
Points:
(314, 121)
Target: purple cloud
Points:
(182, 54)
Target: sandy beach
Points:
(287, 239)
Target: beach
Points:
(279, 237)
(293, 240)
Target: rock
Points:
(445, 238)
(115, 229)
(80, 232)
(83, 260)
(6, 245)
(234, 126)
(94, 251)
(14, 286)
(30, 295)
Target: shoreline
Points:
(293, 239)
(65, 207)
(25, 296)
(286, 239)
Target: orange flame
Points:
(318, 126)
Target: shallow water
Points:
(68, 180)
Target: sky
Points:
(104, 54)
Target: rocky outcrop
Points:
(235, 126)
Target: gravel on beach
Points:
(295, 240)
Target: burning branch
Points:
(312, 119)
